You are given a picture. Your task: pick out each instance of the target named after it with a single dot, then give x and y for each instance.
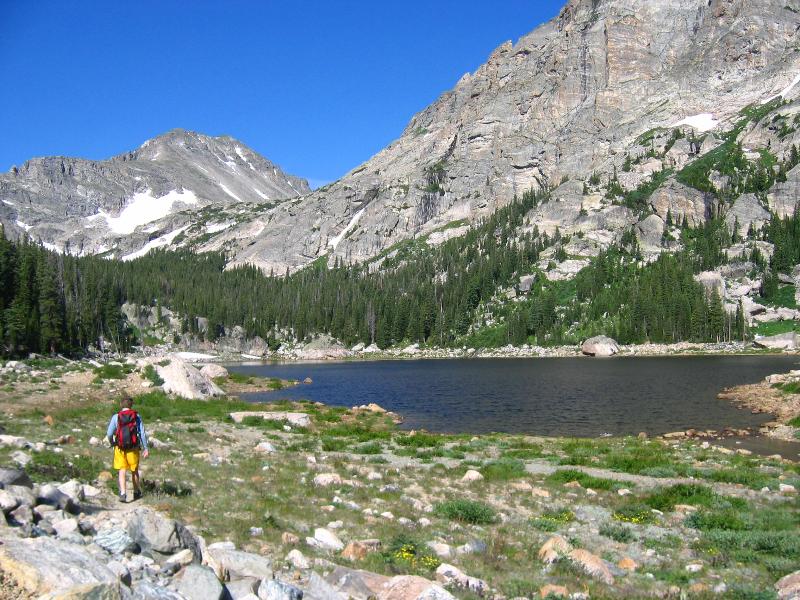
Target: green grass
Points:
(567, 475)
(152, 376)
(636, 513)
(49, 466)
(111, 371)
(466, 511)
(784, 297)
(617, 532)
(418, 440)
(551, 520)
(504, 469)
(774, 328)
(665, 499)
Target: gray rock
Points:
(116, 541)
(354, 583)
(236, 564)
(147, 590)
(781, 341)
(712, 282)
(272, 589)
(600, 346)
(154, 532)
(15, 477)
(50, 494)
(49, 565)
(22, 515)
(746, 211)
(200, 583)
(240, 588)
(121, 571)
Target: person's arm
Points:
(143, 436)
(112, 430)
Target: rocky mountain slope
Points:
(172, 186)
(575, 97)
(633, 113)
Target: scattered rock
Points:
(628, 564)
(235, 564)
(325, 539)
(452, 576)
(298, 560)
(271, 589)
(115, 540)
(200, 583)
(326, 479)
(289, 539)
(551, 590)
(471, 476)
(46, 565)
(265, 448)
(788, 587)
(214, 371)
(355, 551)
(15, 477)
(406, 587)
(592, 565)
(553, 549)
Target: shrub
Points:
(152, 376)
(617, 532)
(466, 511)
(665, 499)
(586, 480)
(369, 448)
(111, 371)
(503, 470)
(552, 519)
(637, 514)
(418, 440)
(726, 520)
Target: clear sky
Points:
(318, 87)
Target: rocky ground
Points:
(337, 503)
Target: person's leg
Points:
(122, 483)
(137, 491)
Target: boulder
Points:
(325, 540)
(235, 564)
(649, 232)
(411, 587)
(214, 371)
(87, 591)
(15, 477)
(184, 380)
(115, 541)
(453, 576)
(46, 565)
(781, 341)
(555, 547)
(298, 560)
(241, 588)
(154, 532)
(352, 583)
(600, 346)
(327, 479)
(471, 476)
(200, 583)
(592, 565)
(292, 418)
(272, 589)
(788, 587)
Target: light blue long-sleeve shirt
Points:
(112, 430)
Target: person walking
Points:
(127, 435)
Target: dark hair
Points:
(126, 401)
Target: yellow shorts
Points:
(126, 459)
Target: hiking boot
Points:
(137, 494)
(123, 498)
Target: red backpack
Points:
(127, 429)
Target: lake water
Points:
(579, 397)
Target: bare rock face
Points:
(600, 346)
(574, 97)
(747, 211)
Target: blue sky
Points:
(317, 87)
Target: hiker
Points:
(126, 434)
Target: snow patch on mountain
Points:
(24, 226)
(229, 192)
(702, 122)
(145, 208)
(159, 242)
(335, 241)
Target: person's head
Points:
(125, 401)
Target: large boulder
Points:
(46, 565)
(200, 583)
(14, 477)
(781, 341)
(600, 345)
(649, 232)
(411, 587)
(183, 379)
(235, 564)
(154, 532)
